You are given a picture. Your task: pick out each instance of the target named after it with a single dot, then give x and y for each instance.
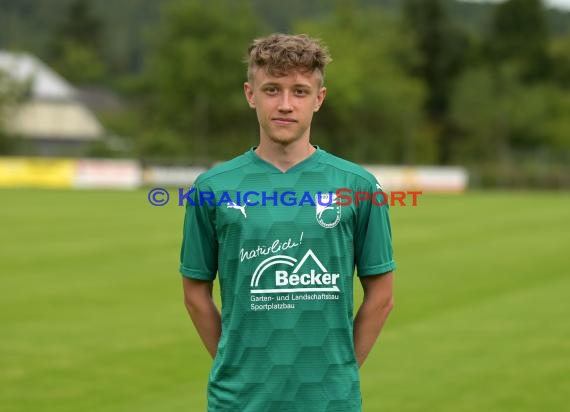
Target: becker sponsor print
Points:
(281, 280)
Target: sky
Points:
(561, 4)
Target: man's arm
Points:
(372, 314)
(203, 312)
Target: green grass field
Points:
(92, 317)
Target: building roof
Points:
(45, 83)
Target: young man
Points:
(271, 225)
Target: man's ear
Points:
(320, 99)
(248, 91)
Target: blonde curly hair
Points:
(281, 53)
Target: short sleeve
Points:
(199, 251)
(373, 236)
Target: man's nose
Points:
(285, 103)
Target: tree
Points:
(523, 123)
(282, 15)
(76, 46)
(195, 79)
(560, 55)
(442, 52)
(11, 93)
(519, 34)
(372, 111)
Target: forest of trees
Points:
(411, 82)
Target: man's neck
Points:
(284, 157)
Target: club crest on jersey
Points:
(327, 210)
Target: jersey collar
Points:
(302, 165)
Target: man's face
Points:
(285, 104)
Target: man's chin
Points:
(284, 140)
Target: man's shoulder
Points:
(348, 167)
(224, 170)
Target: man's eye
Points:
(300, 92)
(271, 90)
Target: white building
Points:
(51, 118)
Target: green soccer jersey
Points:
(285, 250)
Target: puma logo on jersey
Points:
(232, 205)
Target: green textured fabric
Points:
(286, 279)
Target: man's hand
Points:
(376, 306)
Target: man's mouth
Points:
(283, 120)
